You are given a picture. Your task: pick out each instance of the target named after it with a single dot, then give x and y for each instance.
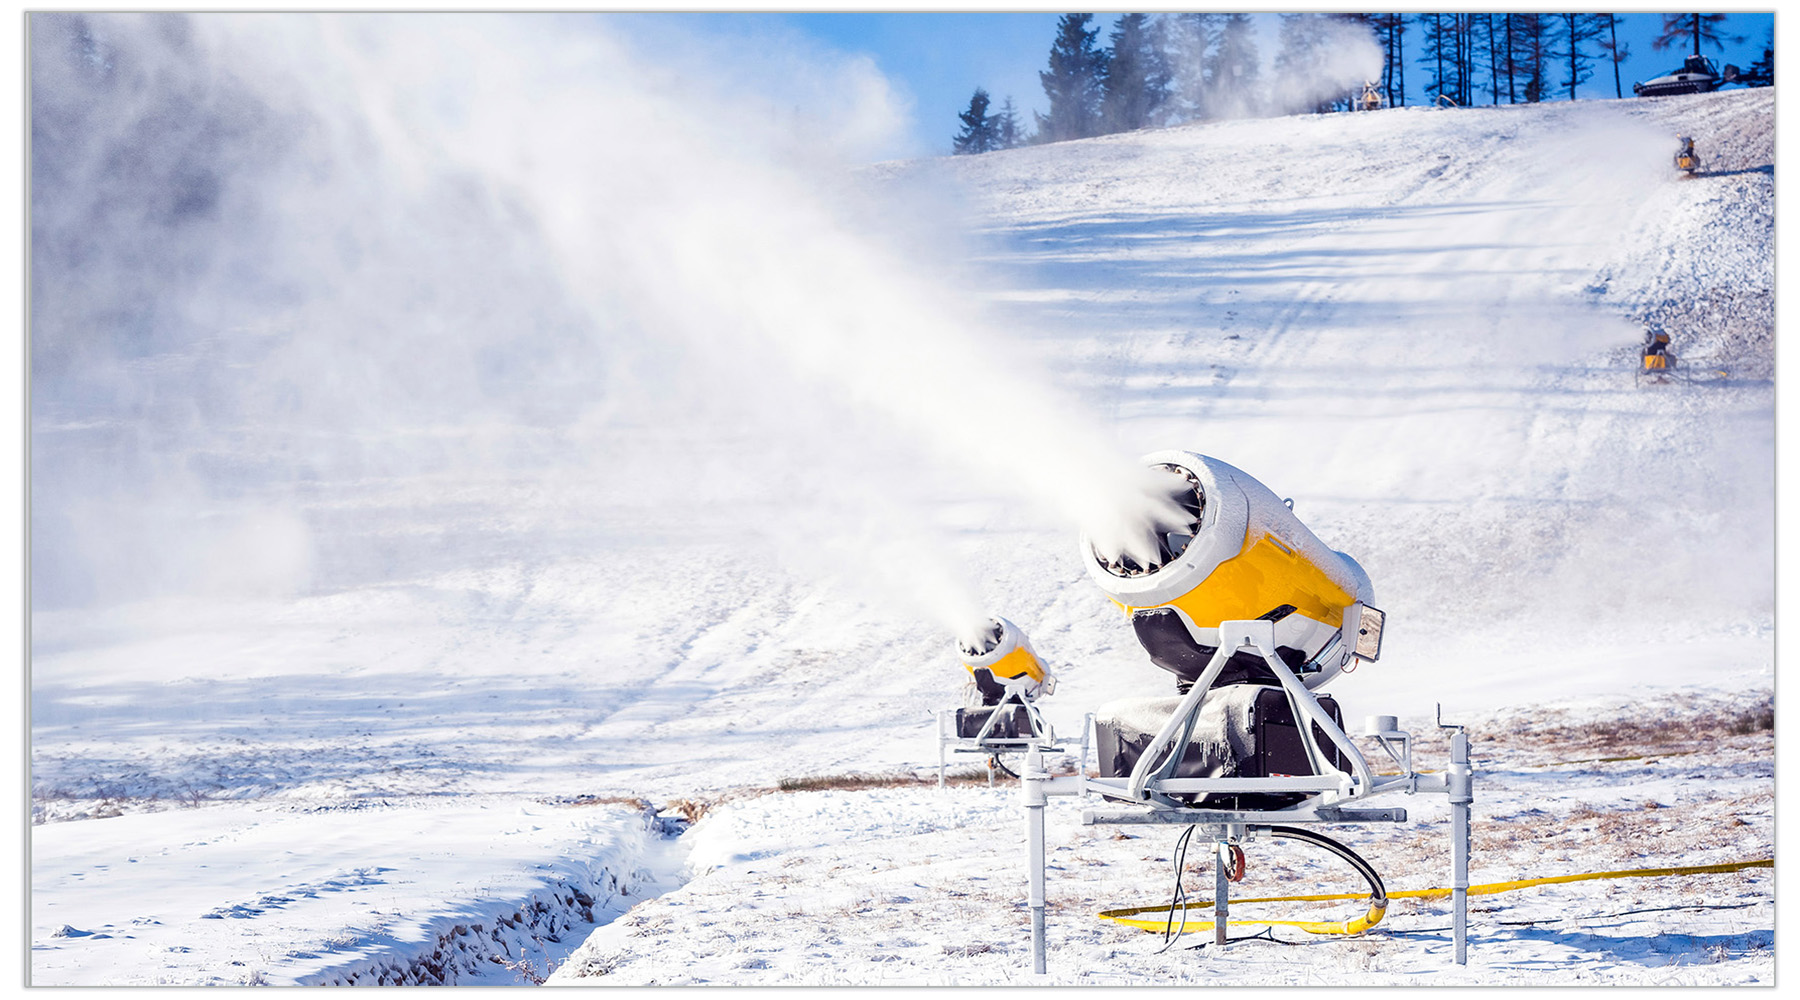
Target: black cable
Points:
(1690, 906)
(1266, 934)
(1179, 897)
(1379, 891)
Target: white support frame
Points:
(1042, 737)
(1151, 779)
(1150, 786)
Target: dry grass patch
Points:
(855, 781)
(1666, 726)
(641, 805)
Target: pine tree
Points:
(1185, 41)
(1706, 28)
(1232, 74)
(1577, 31)
(1137, 80)
(1396, 60)
(1437, 41)
(1072, 83)
(1300, 50)
(978, 133)
(1459, 58)
(1383, 25)
(1512, 90)
(1466, 38)
(1530, 40)
(1492, 34)
(1006, 126)
(1761, 73)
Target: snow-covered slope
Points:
(1419, 324)
(1422, 328)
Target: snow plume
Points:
(357, 276)
(1263, 66)
(1325, 60)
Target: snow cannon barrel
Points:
(1002, 660)
(1241, 555)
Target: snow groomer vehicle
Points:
(1697, 75)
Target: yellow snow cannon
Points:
(1657, 359)
(1241, 555)
(1371, 99)
(1686, 160)
(1001, 662)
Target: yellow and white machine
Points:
(1002, 662)
(1686, 159)
(1657, 358)
(1000, 714)
(1230, 592)
(1241, 554)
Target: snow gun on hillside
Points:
(1252, 613)
(1000, 714)
(1659, 363)
(1686, 159)
(1371, 99)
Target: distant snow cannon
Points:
(1002, 661)
(1686, 159)
(1000, 713)
(1242, 554)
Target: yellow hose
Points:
(1168, 922)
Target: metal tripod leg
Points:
(1033, 782)
(1461, 782)
(1221, 890)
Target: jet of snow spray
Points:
(1234, 70)
(466, 248)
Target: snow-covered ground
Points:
(922, 887)
(401, 718)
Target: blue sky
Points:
(938, 59)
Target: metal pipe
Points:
(942, 763)
(1221, 890)
(1031, 782)
(1087, 730)
(1461, 790)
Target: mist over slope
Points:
(1419, 324)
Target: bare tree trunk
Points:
(1400, 53)
(1437, 21)
(1512, 95)
(1487, 21)
(1391, 22)
(1611, 26)
(1574, 43)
